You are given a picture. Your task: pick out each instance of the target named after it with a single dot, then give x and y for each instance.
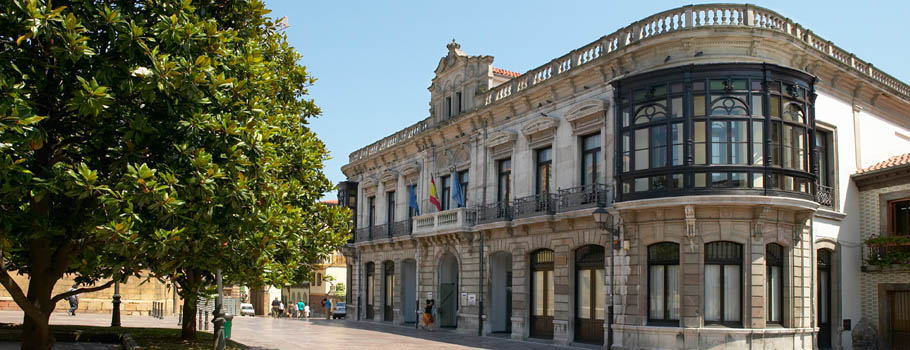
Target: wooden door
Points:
(824, 299)
(542, 294)
(589, 313)
(388, 292)
(448, 305)
(899, 334)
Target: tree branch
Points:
(65, 295)
(18, 296)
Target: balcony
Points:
(400, 228)
(447, 220)
(495, 212)
(362, 235)
(824, 195)
(884, 251)
(538, 204)
(583, 197)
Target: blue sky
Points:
(374, 59)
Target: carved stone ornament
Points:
(389, 176)
(539, 125)
(498, 138)
(690, 222)
(410, 169)
(587, 116)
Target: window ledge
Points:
(826, 213)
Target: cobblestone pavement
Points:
(65, 346)
(287, 334)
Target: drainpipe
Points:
(484, 201)
(417, 285)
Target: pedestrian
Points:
(306, 311)
(74, 301)
(293, 310)
(281, 310)
(300, 305)
(276, 306)
(328, 309)
(428, 314)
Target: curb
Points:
(128, 342)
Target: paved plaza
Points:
(286, 334)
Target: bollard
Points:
(180, 318)
(199, 318)
(206, 319)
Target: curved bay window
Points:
(663, 284)
(723, 283)
(713, 129)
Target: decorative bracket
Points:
(690, 222)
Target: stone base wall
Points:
(137, 297)
(644, 337)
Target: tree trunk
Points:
(36, 333)
(188, 330)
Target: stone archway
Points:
(409, 290)
(447, 302)
(500, 313)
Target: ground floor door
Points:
(368, 296)
(824, 299)
(388, 291)
(448, 305)
(589, 295)
(899, 336)
(542, 294)
(508, 302)
(409, 291)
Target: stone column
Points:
(755, 310)
(561, 291)
(397, 289)
(520, 300)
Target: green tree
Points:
(160, 135)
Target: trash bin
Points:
(227, 325)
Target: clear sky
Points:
(374, 59)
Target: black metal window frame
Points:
(463, 181)
(595, 154)
(445, 183)
(774, 257)
(725, 253)
(752, 85)
(504, 180)
(390, 207)
(371, 211)
(543, 168)
(657, 256)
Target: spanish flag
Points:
(433, 197)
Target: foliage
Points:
(886, 251)
(340, 291)
(161, 135)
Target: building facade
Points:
(720, 139)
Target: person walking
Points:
(276, 306)
(328, 309)
(73, 300)
(306, 311)
(292, 310)
(300, 305)
(281, 310)
(428, 314)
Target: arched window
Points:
(723, 283)
(663, 283)
(774, 260)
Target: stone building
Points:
(719, 138)
(884, 200)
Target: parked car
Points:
(247, 310)
(339, 311)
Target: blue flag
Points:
(413, 200)
(457, 194)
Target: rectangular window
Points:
(446, 195)
(390, 207)
(626, 152)
(739, 142)
(719, 143)
(663, 282)
(463, 182)
(824, 147)
(700, 152)
(411, 211)
(504, 180)
(544, 170)
(899, 214)
(758, 152)
(774, 255)
(458, 102)
(641, 149)
(590, 158)
(676, 135)
(448, 107)
(371, 214)
(774, 146)
(723, 287)
(658, 146)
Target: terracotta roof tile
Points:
(903, 159)
(330, 202)
(506, 73)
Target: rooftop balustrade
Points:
(679, 19)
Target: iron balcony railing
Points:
(824, 195)
(582, 197)
(400, 228)
(538, 204)
(362, 234)
(494, 212)
(380, 231)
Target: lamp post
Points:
(605, 221)
(115, 313)
(218, 314)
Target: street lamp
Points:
(604, 220)
(115, 312)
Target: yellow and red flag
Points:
(433, 197)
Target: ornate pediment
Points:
(587, 116)
(410, 169)
(540, 125)
(389, 176)
(498, 138)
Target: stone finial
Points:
(455, 49)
